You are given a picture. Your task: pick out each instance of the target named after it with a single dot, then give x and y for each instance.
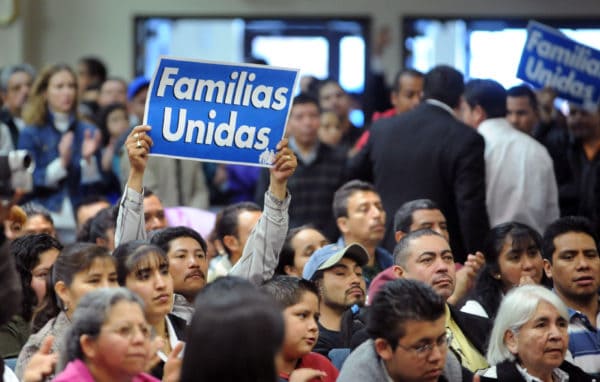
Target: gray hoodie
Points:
(364, 365)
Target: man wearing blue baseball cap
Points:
(337, 272)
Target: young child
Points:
(299, 300)
(330, 131)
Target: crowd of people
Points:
(454, 238)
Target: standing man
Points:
(522, 109)
(428, 153)
(571, 260)
(577, 164)
(519, 175)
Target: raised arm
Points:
(130, 220)
(261, 253)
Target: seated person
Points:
(408, 338)
(299, 300)
(530, 339)
(513, 257)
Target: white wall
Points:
(49, 31)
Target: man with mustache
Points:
(337, 272)
(425, 255)
(571, 260)
(188, 265)
(360, 217)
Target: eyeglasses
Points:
(423, 351)
(128, 331)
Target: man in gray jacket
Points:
(409, 341)
(262, 247)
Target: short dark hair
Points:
(445, 84)
(524, 90)
(97, 226)
(288, 290)
(227, 311)
(564, 225)
(304, 98)
(488, 94)
(399, 301)
(401, 251)
(403, 218)
(227, 223)
(26, 251)
(286, 256)
(405, 72)
(96, 68)
(165, 236)
(341, 196)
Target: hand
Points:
(526, 280)
(91, 143)
(465, 277)
(285, 162)
(305, 375)
(284, 165)
(156, 344)
(138, 155)
(64, 148)
(41, 363)
(172, 369)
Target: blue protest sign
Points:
(551, 59)
(232, 113)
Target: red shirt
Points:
(318, 362)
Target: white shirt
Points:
(519, 177)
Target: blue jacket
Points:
(42, 143)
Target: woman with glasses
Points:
(530, 339)
(109, 339)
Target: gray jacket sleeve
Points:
(261, 253)
(130, 220)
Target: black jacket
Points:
(507, 371)
(428, 153)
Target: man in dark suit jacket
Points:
(428, 153)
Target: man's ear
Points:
(383, 349)
(342, 223)
(398, 271)
(231, 242)
(548, 268)
(479, 113)
(291, 271)
(398, 235)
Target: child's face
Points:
(301, 331)
(330, 131)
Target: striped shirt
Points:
(584, 342)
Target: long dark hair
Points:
(27, 251)
(488, 289)
(229, 313)
(73, 259)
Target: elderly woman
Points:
(529, 340)
(109, 339)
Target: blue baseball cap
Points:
(136, 85)
(330, 255)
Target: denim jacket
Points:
(42, 143)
